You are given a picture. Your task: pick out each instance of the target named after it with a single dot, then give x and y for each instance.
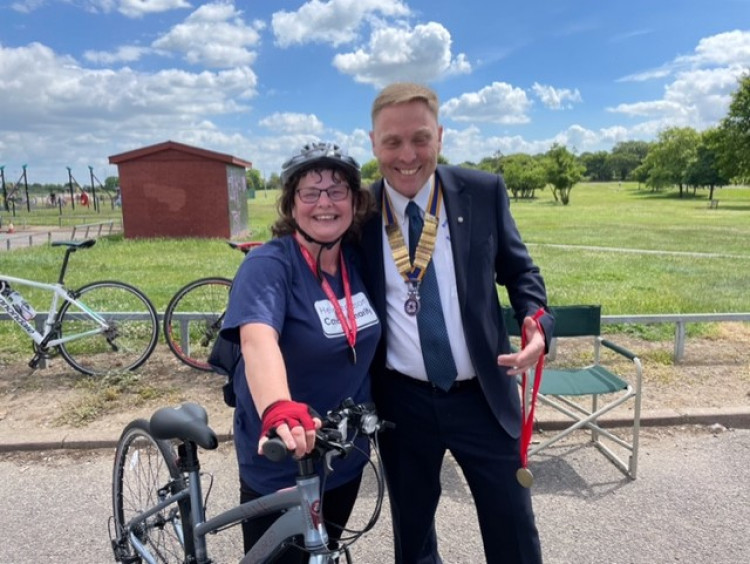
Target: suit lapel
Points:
(372, 244)
(458, 206)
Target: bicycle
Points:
(101, 327)
(194, 315)
(159, 508)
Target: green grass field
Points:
(626, 248)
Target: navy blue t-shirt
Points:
(275, 286)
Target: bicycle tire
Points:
(145, 470)
(204, 300)
(128, 342)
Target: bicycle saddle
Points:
(75, 244)
(187, 422)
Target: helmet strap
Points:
(327, 245)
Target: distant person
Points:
(457, 391)
(308, 333)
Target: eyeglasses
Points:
(335, 193)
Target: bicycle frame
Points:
(301, 504)
(60, 294)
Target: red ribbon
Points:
(527, 418)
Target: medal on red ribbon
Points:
(523, 474)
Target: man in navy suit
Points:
(471, 242)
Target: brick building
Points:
(175, 190)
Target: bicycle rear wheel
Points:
(130, 335)
(193, 319)
(145, 473)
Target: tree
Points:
(254, 179)
(626, 156)
(735, 134)
(704, 170)
(670, 156)
(112, 183)
(598, 166)
(493, 164)
(370, 172)
(523, 175)
(563, 172)
(274, 182)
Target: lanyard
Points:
(524, 476)
(348, 322)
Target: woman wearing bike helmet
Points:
(308, 333)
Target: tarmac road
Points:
(690, 504)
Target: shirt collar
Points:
(400, 201)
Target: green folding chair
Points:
(561, 387)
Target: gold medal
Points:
(525, 477)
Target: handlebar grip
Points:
(275, 450)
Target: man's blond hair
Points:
(403, 92)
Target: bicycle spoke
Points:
(144, 475)
(124, 343)
(193, 319)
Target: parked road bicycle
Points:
(194, 315)
(100, 328)
(159, 508)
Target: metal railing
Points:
(680, 320)
(83, 231)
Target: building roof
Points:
(173, 145)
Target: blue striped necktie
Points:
(433, 335)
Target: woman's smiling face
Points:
(326, 219)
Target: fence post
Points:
(679, 341)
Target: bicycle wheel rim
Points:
(130, 336)
(144, 471)
(193, 319)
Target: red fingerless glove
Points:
(292, 413)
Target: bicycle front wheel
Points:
(193, 318)
(121, 324)
(145, 473)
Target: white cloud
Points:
(696, 98)
(27, 6)
(646, 75)
(556, 98)
(727, 49)
(124, 54)
(421, 54)
(498, 103)
(335, 22)
(139, 8)
(289, 122)
(62, 113)
(214, 35)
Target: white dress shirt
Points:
(404, 350)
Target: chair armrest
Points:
(618, 349)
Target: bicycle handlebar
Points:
(245, 247)
(337, 434)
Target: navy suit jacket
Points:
(487, 250)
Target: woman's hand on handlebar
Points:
(294, 423)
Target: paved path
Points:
(28, 236)
(639, 251)
(691, 504)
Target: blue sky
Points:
(81, 80)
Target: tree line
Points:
(680, 157)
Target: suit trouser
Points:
(428, 422)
